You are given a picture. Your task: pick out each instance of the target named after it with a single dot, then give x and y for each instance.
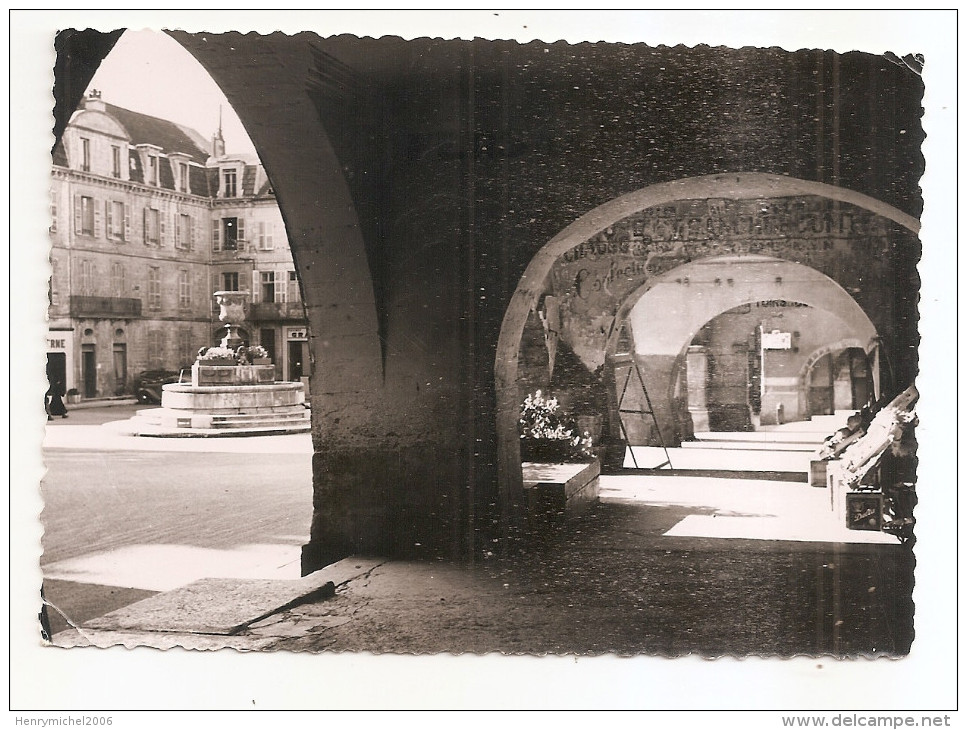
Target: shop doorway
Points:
(89, 370)
(120, 368)
(297, 358)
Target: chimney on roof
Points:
(218, 142)
(93, 101)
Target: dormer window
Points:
(115, 161)
(230, 179)
(85, 154)
(153, 170)
(183, 177)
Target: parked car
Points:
(147, 385)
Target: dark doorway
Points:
(267, 340)
(861, 377)
(120, 368)
(821, 387)
(89, 370)
(296, 359)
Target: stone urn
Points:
(231, 314)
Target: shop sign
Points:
(776, 340)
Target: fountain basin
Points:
(226, 410)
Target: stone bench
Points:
(555, 490)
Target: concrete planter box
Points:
(555, 491)
(817, 473)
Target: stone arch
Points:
(526, 295)
(325, 235)
(868, 346)
(334, 268)
(762, 279)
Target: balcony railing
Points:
(266, 311)
(115, 307)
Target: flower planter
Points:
(546, 451)
(204, 373)
(262, 361)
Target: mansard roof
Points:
(174, 138)
(170, 137)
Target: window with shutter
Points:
(231, 233)
(230, 182)
(87, 277)
(280, 286)
(186, 231)
(266, 231)
(117, 279)
(184, 288)
(97, 220)
(88, 217)
(152, 217)
(216, 234)
(53, 211)
(127, 222)
(115, 220)
(78, 214)
(269, 290)
(154, 288)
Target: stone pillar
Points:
(696, 369)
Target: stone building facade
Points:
(147, 220)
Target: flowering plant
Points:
(215, 353)
(548, 431)
(247, 355)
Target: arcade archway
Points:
(674, 313)
(596, 234)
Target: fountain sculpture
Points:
(232, 392)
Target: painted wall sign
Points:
(594, 277)
(776, 340)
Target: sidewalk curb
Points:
(103, 403)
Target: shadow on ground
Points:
(610, 582)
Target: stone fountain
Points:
(231, 393)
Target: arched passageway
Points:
(668, 313)
(669, 258)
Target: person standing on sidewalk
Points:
(54, 400)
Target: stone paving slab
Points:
(102, 639)
(224, 606)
